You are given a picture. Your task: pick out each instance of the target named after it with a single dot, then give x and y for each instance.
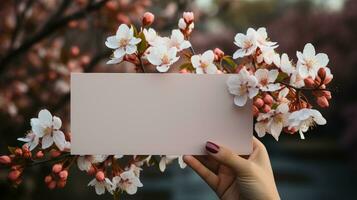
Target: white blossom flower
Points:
(242, 85)
(101, 186)
(151, 36)
(162, 57)
(268, 55)
(31, 140)
(177, 40)
(262, 39)
(168, 159)
(114, 60)
(303, 119)
(309, 62)
(47, 127)
(246, 43)
(204, 63)
(84, 163)
(273, 121)
(296, 79)
(123, 42)
(127, 181)
(266, 79)
(285, 64)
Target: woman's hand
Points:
(234, 177)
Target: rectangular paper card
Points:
(156, 114)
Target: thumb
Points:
(227, 157)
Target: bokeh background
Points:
(42, 41)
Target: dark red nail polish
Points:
(212, 147)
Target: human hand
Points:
(234, 177)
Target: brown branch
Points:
(47, 30)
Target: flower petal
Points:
(240, 100)
(59, 139)
(47, 141)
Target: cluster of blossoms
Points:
(276, 85)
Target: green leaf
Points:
(281, 77)
(187, 66)
(135, 30)
(143, 45)
(11, 149)
(230, 62)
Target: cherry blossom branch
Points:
(47, 30)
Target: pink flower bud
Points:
(111, 5)
(148, 19)
(61, 183)
(218, 54)
(322, 73)
(255, 111)
(327, 94)
(268, 99)
(52, 185)
(18, 152)
(85, 60)
(39, 154)
(48, 179)
(100, 176)
(25, 148)
(5, 160)
(322, 102)
(56, 168)
(14, 175)
(123, 19)
(55, 153)
(258, 102)
(63, 175)
(188, 17)
(266, 108)
(27, 155)
(184, 71)
(309, 82)
(328, 79)
(75, 50)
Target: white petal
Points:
(112, 42)
(322, 59)
(162, 68)
(199, 71)
(134, 41)
(83, 164)
(119, 53)
(240, 53)
(309, 51)
(208, 56)
(114, 61)
(47, 141)
(273, 74)
(252, 92)
(261, 74)
(260, 128)
(185, 45)
(57, 123)
(304, 73)
(162, 164)
(240, 100)
(211, 69)
(195, 60)
(275, 129)
(99, 188)
(130, 49)
(34, 143)
(45, 117)
(59, 139)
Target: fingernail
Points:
(212, 147)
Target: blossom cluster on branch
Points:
(278, 87)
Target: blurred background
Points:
(43, 41)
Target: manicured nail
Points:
(212, 147)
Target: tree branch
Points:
(47, 30)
